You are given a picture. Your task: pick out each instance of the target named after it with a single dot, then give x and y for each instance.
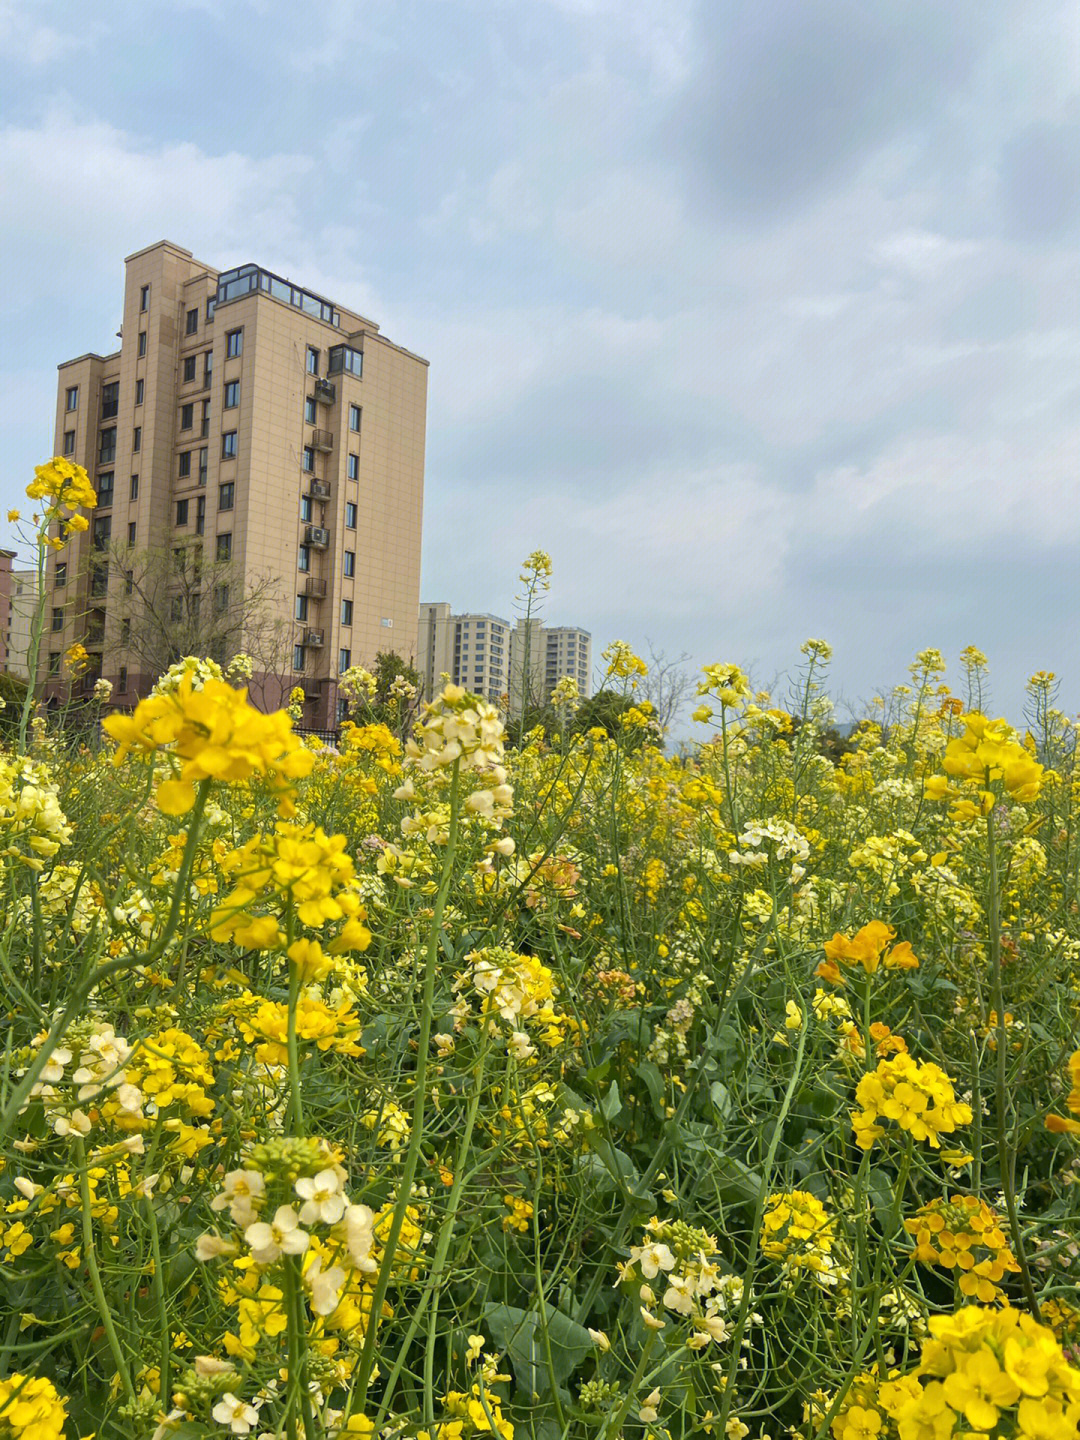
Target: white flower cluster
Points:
(323, 1202)
(99, 1072)
(198, 668)
(777, 836)
(677, 1255)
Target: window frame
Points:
(226, 501)
(234, 343)
(230, 445)
(232, 387)
(192, 323)
(69, 403)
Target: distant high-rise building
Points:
(252, 432)
(24, 598)
(487, 655)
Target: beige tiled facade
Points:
(24, 594)
(487, 655)
(268, 433)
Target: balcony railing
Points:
(317, 489)
(325, 392)
(316, 589)
(322, 439)
(317, 536)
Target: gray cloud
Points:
(790, 96)
(1040, 181)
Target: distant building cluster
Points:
(499, 659)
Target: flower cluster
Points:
(798, 1232)
(986, 754)
(65, 486)
(994, 1372)
(726, 683)
(216, 735)
(678, 1257)
(298, 867)
(1060, 1124)
(963, 1234)
(32, 825)
(31, 1409)
(457, 728)
(919, 1098)
(869, 947)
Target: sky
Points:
(761, 316)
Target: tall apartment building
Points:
(487, 654)
(257, 430)
(473, 649)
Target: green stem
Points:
(612, 1427)
(159, 1296)
(412, 1154)
(437, 1278)
(1006, 1157)
(90, 1256)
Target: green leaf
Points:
(520, 1334)
(654, 1083)
(611, 1104)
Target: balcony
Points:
(322, 440)
(317, 489)
(316, 589)
(325, 392)
(318, 537)
(314, 638)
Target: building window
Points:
(58, 617)
(234, 343)
(309, 411)
(224, 546)
(102, 531)
(346, 612)
(350, 562)
(298, 657)
(344, 660)
(69, 442)
(189, 369)
(228, 445)
(232, 394)
(185, 464)
(208, 367)
(307, 459)
(386, 622)
(60, 574)
(129, 582)
(121, 679)
(142, 343)
(353, 470)
(350, 515)
(54, 662)
(312, 360)
(181, 512)
(204, 464)
(110, 400)
(304, 558)
(305, 509)
(132, 532)
(187, 416)
(144, 298)
(140, 391)
(354, 417)
(205, 418)
(200, 515)
(136, 440)
(193, 322)
(226, 496)
(134, 488)
(301, 607)
(221, 598)
(107, 446)
(105, 487)
(99, 580)
(71, 400)
(176, 608)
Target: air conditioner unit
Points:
(317, 536)
(314, 638)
